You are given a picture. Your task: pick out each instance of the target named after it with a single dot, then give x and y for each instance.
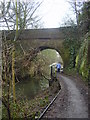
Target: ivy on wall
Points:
(82, 65)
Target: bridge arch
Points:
(43, 44)
(41, 48)
(47, 38)
(47, 47)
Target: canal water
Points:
(31, 86)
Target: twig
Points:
(22, 49)
(45, 77)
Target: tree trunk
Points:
(13, 73)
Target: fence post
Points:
(51, 71)
(51, 80)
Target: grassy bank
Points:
(25, 108)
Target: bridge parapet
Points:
(49, 33)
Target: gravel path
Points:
(72, 102)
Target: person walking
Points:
(58, 66)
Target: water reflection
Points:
(30, 87)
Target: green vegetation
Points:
(49, 56)
(78, 45)
(27, 108)
(29, 83)
(24, 63)
(82, 65)
(82, 59)
(10, 56)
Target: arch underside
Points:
(40, 45)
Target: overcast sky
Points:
(54, 12)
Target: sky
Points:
(54, 12)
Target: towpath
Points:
(72, 102)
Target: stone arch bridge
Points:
(51, 38)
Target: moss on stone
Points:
(82, 59)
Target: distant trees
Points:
(82, 11)
(84, 18)
(76, 8)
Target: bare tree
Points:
(25, 13)
(76, 7)
(16, 16)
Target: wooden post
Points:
(50, 81)
(51, 71)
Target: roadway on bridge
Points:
(72, 102)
